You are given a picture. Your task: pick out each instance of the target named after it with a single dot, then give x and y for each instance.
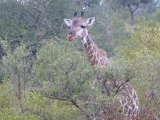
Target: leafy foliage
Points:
(16, 68)
(44, 78)
(65, 75)
(141, 50)
(45, 108)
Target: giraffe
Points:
(79, 29)
(97, 57)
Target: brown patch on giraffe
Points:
(90, 57)
(89, 48)
(133, 107)
(126, 107)
(129, 112)
(88, 42)
(123, 101)
(94, 57)
(134, 96)
(94, 61)
(130, 90)
(128, 99)
(85, 46)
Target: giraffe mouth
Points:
(70, 38)
(78, 37)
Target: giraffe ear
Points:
(68, 22)
(90, 21)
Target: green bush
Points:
(141, 52)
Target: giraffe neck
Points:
(93, 52)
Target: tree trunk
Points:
(132, 17)
(132, 12)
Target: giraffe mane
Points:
(102, 52)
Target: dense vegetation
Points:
(45, 77)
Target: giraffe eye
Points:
(82, 26)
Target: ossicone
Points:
(75, 14)
(82, 13)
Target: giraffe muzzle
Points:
(70, 38)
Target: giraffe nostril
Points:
(71, 33)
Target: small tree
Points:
(131, 5)
(16, 68)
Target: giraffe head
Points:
(78, 26)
